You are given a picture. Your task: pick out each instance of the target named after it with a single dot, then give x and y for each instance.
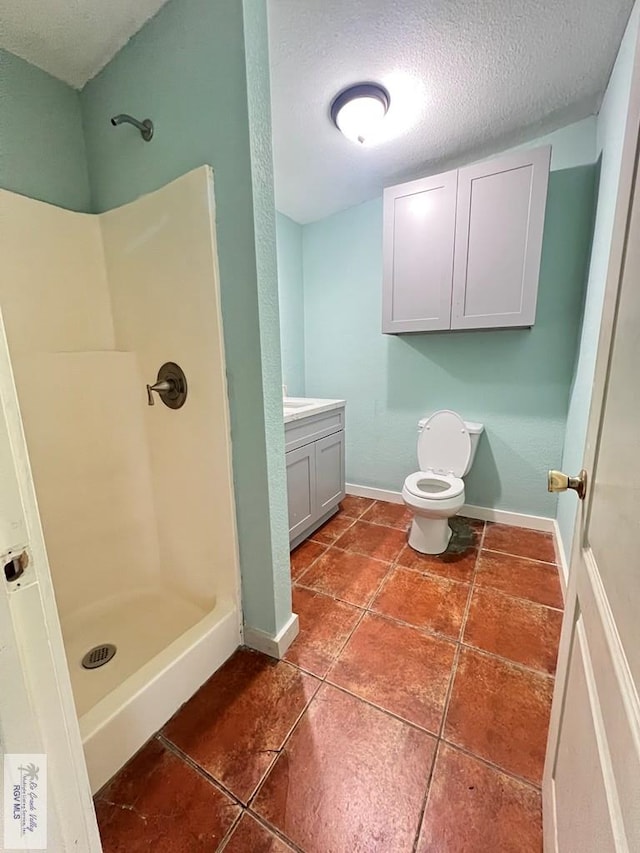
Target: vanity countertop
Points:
(297, 408)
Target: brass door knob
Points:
(559, 482)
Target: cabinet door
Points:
(301, 488)
(330, 471)
(499, 225)
(419, 229)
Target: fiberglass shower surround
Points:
(136, 501)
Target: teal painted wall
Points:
(516, 382)
(291, 297)
(186, 70)
(42, 146)
(610, 136)
(278, 576)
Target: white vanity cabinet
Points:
(462, 250)
(314, 454)
(301, 489)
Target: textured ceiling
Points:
(463, 75)
(71, 39)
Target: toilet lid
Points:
(444, 445)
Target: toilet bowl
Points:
(446, 449)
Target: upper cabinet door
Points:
(419, 232)
(499, 225)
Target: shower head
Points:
(145, 126)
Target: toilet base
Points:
(429, 535)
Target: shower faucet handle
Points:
(160, 387)
(170, 386)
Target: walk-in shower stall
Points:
(136, 500)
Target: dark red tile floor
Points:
(409, 716)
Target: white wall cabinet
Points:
(462, 250)
(419, 232)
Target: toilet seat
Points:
(444, 486)
(444, 444)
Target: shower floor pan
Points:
(167, 647)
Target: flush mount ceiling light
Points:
(359, 110)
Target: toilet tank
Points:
(475, 431)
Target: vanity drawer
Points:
(306, 430)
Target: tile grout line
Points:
(520, 557)
(286, 740)
(463, 624)
(425, 799)
(227, 836)
(493, 589)
(274, 830)
(366, 606)
(344, 644)
(190, 762)
(425, 632)
(452, 675)
(357, 622)
(474, 576)
(384, 711)
(513, 663)
(472, 582)
(330, 595)
(324, 544)
(277, 752)
(445, 707)
(491, 764)
(312, 563)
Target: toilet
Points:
(446, 449)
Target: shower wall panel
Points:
(162, 268)
(53, 290)
(81, 405)
(88, 448)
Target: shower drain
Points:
(98, 656)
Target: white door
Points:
(591, 787)
(37, 714)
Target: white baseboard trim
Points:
(515, 519)
(374, 494)
(277, 646)
(561, 559)
(502, 516)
